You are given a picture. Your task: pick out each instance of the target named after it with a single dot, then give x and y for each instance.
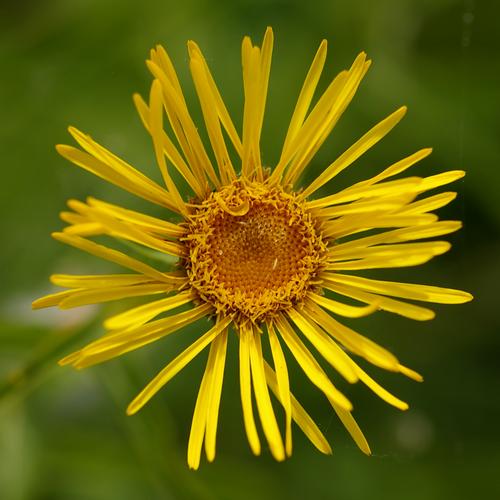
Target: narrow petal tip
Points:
(425, 315)
(410, 373)
(132, 409)
(37, 304)
(75, 133)
(136, 97)
(63, 149)
(69, 359)
(193, 48)
(256, 449)
(454, 175)
(57, 235)
(467, 297)
(402, 110)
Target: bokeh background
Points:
(64, 434)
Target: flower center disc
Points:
(253, 250)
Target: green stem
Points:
(46, 353)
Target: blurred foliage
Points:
(64, 434)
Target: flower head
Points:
(264, 259)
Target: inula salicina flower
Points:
(266, 260)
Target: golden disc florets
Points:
(252, 250)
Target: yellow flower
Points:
(265, 260)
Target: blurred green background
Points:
(63, 434)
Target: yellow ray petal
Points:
(425, 293)
(117, 257)
(405, 309)
(317, 128)
(256, 68)
(80, 207)
(205, 415)
(358, 223)
(151, 331)
(339, 253)
(117, 164)
(169, 148)
(299, 415)
(98, 280)
(358, 373)
(390, 188)
(72, 218)
(342, 309)
(423, 231)
(355, 342)
(283, 384)
(430, 203)
(80, 225)
(250, 58)
(380, 391)
(96, 295)
(133, 183)
(309, 365)
(142, 314)
(265, 70)
(353, 428)
(374, 135)
(198, 423)
(85, 230)
(388, 261)
(52, 299)
(396, 168)
(411, 373)
(146, 222)
(305, 96)
(316, 118)
(175, 366)
(209, 109)
(246, 391)
(156, 128)
(133, 233)
(120, 342)
(113, 161)
(373, 205)
(161, 58)
(184, 128)
(349, 422)
(264, 406)
(219, 347)
(325, 346)
(442, 179)
(340, 360)
(221, 107)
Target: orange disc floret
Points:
(253, 250)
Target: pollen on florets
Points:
(252, 250)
